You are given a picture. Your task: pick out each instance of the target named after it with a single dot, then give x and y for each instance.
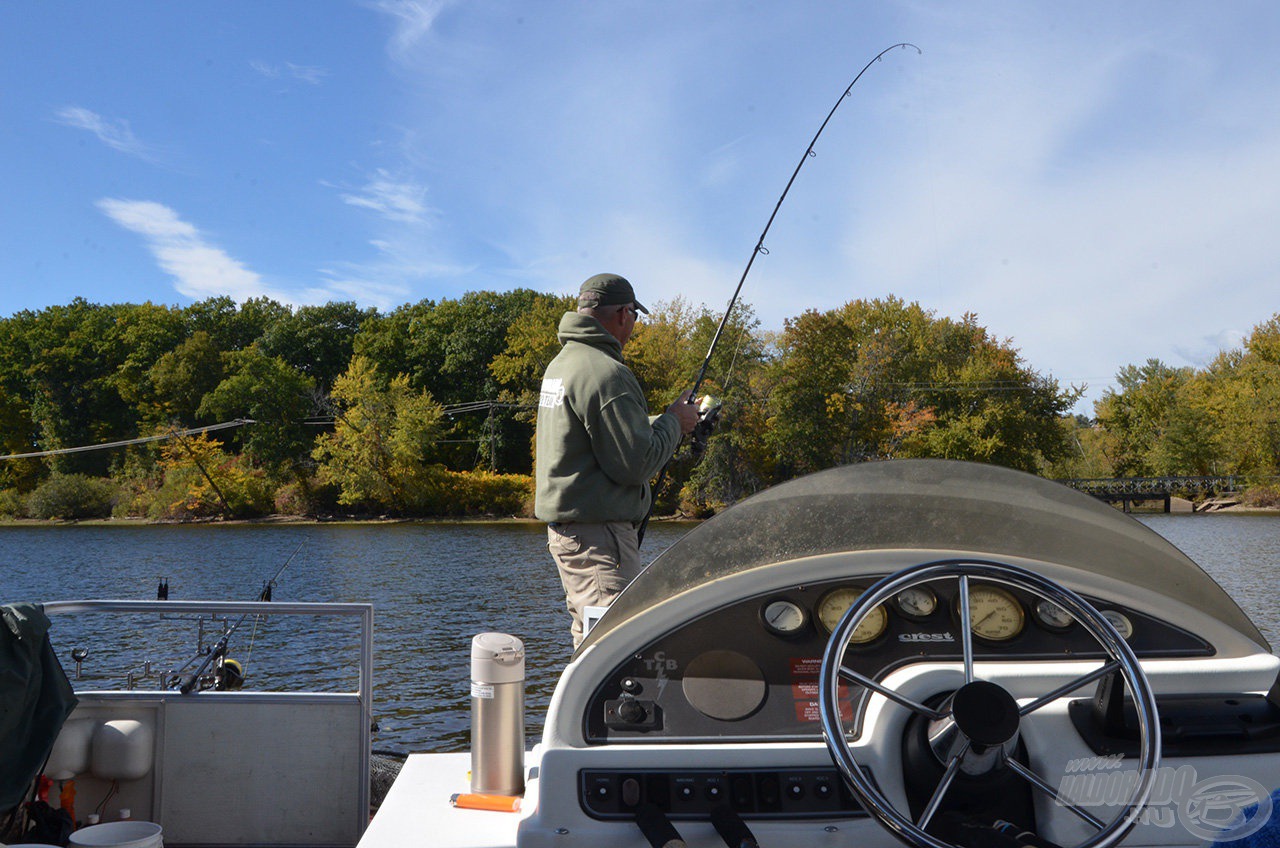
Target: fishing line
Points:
(265, 595)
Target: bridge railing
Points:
(1157, 486)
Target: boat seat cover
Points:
(35, 698)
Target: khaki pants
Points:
(596, 562)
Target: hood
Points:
(576, 327)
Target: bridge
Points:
(1128, 490)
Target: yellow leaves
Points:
(378, 451)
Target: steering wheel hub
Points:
(985, 713)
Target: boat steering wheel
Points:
(976, 728)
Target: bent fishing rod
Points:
(219, 648)
(710, 414)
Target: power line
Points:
(239, 422)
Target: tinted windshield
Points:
(928, 505)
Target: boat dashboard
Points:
(749, 670)
(701, 687)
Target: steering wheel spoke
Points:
(976, 730)
(953, 768)
(849, 674)
(966, 628)
(1047, 788)
(1068, 688)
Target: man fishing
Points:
(598, 448)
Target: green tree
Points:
(1240, 408)
(384, 339)
(379, 453)
(531, 344)
(147, 332)
(180, 379)
(882, 379)
(272, 393)
(1138, 416)
(232, 327)
(66, 361)
(316, 340)
(1087, 454)
(449, 349)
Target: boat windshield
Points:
(929, 505)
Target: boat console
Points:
(919, 652)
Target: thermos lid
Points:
(497, 658)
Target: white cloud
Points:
(398, 200)
(199, 269)
(413, 18)
(116, 134)
(303, 73)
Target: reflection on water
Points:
(434, 586)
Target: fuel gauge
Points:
(784, 617)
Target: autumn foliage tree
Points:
(881, 379)
(379, 453)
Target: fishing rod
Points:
(219, 648)
(710, 412)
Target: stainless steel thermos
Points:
(497, 714)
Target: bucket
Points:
(120, 834)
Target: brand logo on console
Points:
(926, 637)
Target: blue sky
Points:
(1097, 182)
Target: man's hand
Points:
(685, 411)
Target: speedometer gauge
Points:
(994, 613)
(835, 603)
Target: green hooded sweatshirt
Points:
(597, 448)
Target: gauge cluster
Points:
(750, 667)
(996, 614)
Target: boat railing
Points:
(306, 750)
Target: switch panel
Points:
(693, 793)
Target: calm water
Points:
(434, 586)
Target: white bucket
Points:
(121, 834)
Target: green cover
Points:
(35, 699)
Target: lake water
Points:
(434, 586)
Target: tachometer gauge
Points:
(783, 617)
(917, 601)
(994, 613)
(835, 603)
(1120, 622)
(1052, 616)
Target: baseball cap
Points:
(607, 290)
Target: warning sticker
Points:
(806, 667)
(481, 690)
(808, 711)
(804, 690)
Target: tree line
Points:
(428, 409)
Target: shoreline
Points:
(290, 520)
(311, 521)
